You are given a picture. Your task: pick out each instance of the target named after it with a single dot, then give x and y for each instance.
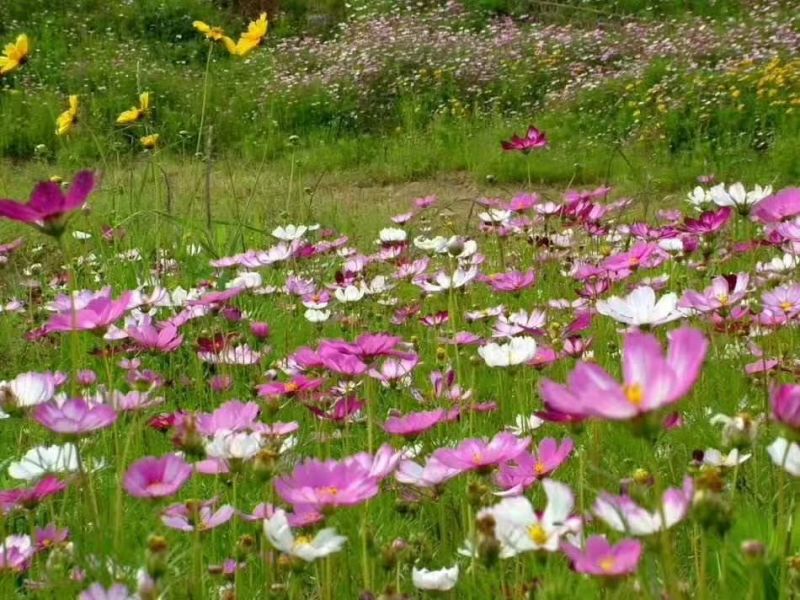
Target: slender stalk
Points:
(205, 98)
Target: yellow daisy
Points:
(211, 32)
(250, 39)
(149, 141)
(137, 113)
(67, 119)
(14, 55)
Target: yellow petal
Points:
(129, 116)
(73, 104)
(201, 27)
(230, 45)
(144, 101)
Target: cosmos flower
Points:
(778, 207)
(516, 351)
(441, 580)
(621, 513)
(137, 113)
(786, 455)
(602, 559)
(26, 390)
(413, 424)
(519, 528)
(214, 34)
(16, 553)
(15, 54)
(158, 338)
(528, 467)
(723, 293)
(48, 208)
(67, 119)
(652, 380)
(511, 281)
(197, 516)
(479, 455)
(785, 402)
(640, 308)
(153, 478)
(327, 484)
(280, 535)
(43, 460)
(250, 39)
(534, 140)
(30, 497)
(96, 591)
(96, 316)
(74, 417)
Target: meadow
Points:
(393, 300)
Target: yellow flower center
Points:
(292, 387)
(331, 491)
(635, 394)
(786, 306)
(301, 542)
(607, 564)
(540, 468)
(724, 299)
(538, 535)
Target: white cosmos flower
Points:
(786, 455)
(390, 235)
(524, 425)
(351, 293)
(27, 389)
(442, 281)
(241, 445)
(495, 215)
(519, 528)
(245, 279)
(280, 535)
(290, 232)
(43, 460)
(641, 308)
(737, 196)
(516, 351)
(779, 264)
(314, 315)
(436, 244)
(698, 196)
(714, 458)
(441, 580)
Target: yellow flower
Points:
(250, 39)
(212, 33)
(67, 119)
(14, 55)
(149, 141)
(137, 113)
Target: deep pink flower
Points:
(723, 293)
(49, 537)
(600, 558)
(231, 416)
(534, 139)
(327, 484)
(96, 316)
(200, 516)
(785, 401)
(297, 386)
(477, 454)
(528, 467)
(31, 497)
(342, 363)
(653, 381)
(74, 416)
(16, 553)
(778, 207)
(154, 477)
(48, 207)
(260, 330)
(413, 424)
(511, 282)
(709, 222)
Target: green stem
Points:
(205, 97)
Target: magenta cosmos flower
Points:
(200, 516)
(153, 477)
(534, 140)
(97, 592)
(48, 207)
(96, 316)
(723, 293)
(479, 455)
(413, 424)
(528, 467)
(602, 559)
(785, 401)
(74, 417)
(511, 282)
(652, 381)
(782, 205)
(319, 485)
(158, 338)
(31, 497)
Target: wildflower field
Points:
(392, 300)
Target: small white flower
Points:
(350, 293)
(27, 389)
(314, 315)
(290, 232)
(436, 244)
(786, 455)
(495, 215)
(239, 445)
(779, 264)
(245, 279)
(524, 425)
(392, 235)
(518, 350)
(441, 580)
(715, 458)
(640, 307)
(280, 535)
(43, 460)
(698, 197)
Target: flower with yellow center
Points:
(137, 113)
(149, 142)
(213, 33)
(608, 564)
(14, 55)
(538, 534)
(634, 392)
(786, 306)
(67, 119)
(250, 39)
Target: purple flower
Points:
(163, 338)
(96, 316)
(511, 282)
(153, 477)
(327, 484)
(97, 592)
(653, 381)
(785, 401)
(231, 416)
(528, 467)
(16, 553)
(200, 516)
(74, 417)
(48, 207)
(30, 497)
(723, 293)
(600, 558)
(782, 205)
(413, 424)
(534, 139)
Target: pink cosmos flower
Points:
(162, 338)
(723, 293)
(74, 417)
(621, 513)
(783, 301)
(16, 553)
(602, 559)
(393, 370)
(48, 207)
(327, 484)
(414, 424)
(297, 386)
(152, 477)
(96, 316)
(534, 139)
(785, 402)
(782, 205)
(30, 497)
(49, 537)
(200, 516)
(432, 474)
(510, 282)
(652, 381)
(96, 591)
(231, 416)
(528, 467)
(479, 455)
(709, 222)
